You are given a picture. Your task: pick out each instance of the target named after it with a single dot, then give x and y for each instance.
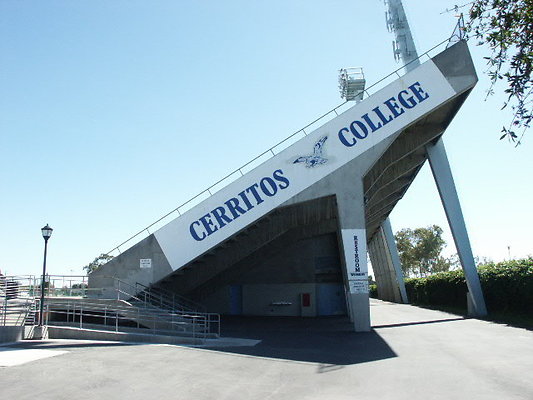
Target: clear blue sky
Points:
(114, 112)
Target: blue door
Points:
(330, 299)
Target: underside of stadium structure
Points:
(290, 237)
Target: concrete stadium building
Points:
(290, 237)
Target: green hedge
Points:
(373, 290)
(507, 287)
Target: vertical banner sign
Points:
(354, 243)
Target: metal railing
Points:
(161, 305)
(278, 147)
(66, 285)
(166, 299)
(133, 309)
(126, 318)
(17, 300)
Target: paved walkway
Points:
(412, 353)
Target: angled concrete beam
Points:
(412, 139)
(383, 203)
(392, 188)
(382, 268)
(380, 217)
(395, 258)
(442, 173)
(400, 168)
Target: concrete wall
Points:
(296, 263)
(9, 334)
(126, 267)
(278, 300)
(281, 272)
(218, 301)
(63, 332)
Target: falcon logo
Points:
(316, 158)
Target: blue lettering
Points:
(264, 187)
(221, 217)
(370, 123)
(408, 102)
(394, 107)
(234, 208)
(253, 189)
(343, 140)
(194, 234)
(246, 200)
(418, 92)
(278, 175)
(359, 129)
(381, 116)
(361, 126)
(208, 224)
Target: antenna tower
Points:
(403, 46)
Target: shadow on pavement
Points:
(329, 341)
(433, 321)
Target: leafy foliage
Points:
(373, 290)
(420, 251)
(507, 288)
(97, 262)
(506, 26)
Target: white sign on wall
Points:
(145, 263)
(358, 286)
(305, 162)
(354, 244)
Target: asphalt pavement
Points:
(411, 353)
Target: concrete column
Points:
(395, 258)
(352, 241)
(376, 250)
(450, 201)
(383, 266)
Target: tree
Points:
(420, 251)
(506, 26)
(97, 262)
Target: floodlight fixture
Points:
(352, 83)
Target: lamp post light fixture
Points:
(47, 232)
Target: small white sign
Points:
(145, 263)
(358, 286)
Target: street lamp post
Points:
(47, 232)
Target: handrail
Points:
(121, 317)
(169, 298)
(159, 300)
(128, 295)
(271, 149)
(17, 297)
